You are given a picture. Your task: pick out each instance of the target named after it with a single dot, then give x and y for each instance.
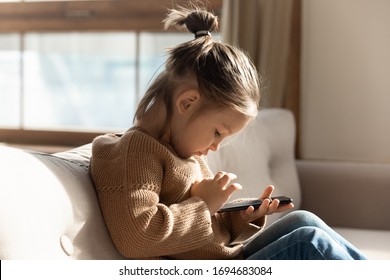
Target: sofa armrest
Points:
(346, 194)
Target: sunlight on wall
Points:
(345, 85)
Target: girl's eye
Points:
(217, 134)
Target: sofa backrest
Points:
(49, 208)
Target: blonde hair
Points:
(224, 74)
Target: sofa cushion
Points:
(373, 243)
(49, 209)
(263, 154)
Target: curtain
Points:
(266, 30)
(269, 31)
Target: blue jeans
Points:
(300, 235)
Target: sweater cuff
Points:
(241, 229)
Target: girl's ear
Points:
(187, 101)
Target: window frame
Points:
(80, 16)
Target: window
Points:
(10, 80)
(71, 70)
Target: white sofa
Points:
(49, 210)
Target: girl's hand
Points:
(268, 207)
(215, 192)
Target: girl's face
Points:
(205, 132)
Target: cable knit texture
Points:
(144, 193)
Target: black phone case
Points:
(237, 206)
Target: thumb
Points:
(268, 192)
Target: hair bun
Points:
(198, 21)
(201, 20)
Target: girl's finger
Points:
(232, 188)
(267, 192)
(226, 178)
(219, 175)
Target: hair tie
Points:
(202, 33)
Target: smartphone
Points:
(237, 206)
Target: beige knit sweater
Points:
(144, 193)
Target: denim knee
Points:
(302, 218)
(315, 243)
(304, 243)
(307, 242)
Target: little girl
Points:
(157, 194)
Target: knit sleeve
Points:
(143, 227)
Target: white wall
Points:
(345, 105)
